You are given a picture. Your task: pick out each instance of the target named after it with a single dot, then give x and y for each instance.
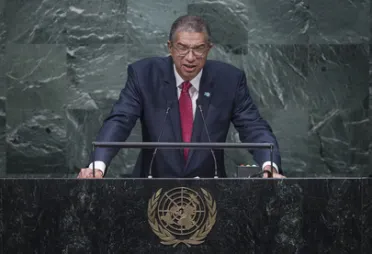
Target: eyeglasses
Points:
(197, 51)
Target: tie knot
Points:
(186, 86)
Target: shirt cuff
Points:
(100, 165)
(268, 163)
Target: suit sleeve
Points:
(252, 128)
(121, 120)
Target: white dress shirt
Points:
(194, 94)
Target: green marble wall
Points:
(63, 64)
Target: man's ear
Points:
(169, 44)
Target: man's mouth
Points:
(189, 67)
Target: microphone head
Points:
(199, 102)
(170, 104)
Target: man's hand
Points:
(273, 170)
(88, 173)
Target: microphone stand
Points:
(161, 134)
(209, 139)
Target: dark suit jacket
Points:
(151, 88)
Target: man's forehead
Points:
(191, 44)
(190, 36)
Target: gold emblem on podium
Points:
(181, 215)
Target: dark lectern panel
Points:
(366, 215)
(251, 215)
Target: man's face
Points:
(189, 62)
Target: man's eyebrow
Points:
(181, 44)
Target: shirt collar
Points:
(195, 82)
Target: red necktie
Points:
(186, 115)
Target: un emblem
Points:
(181, 215)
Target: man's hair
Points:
(188, 23)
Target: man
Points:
(172, 88)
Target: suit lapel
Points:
(204, 99)
(170, 94)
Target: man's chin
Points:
(190, 74)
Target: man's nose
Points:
(190, 56)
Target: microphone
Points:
(209, 139)
(161, 134)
